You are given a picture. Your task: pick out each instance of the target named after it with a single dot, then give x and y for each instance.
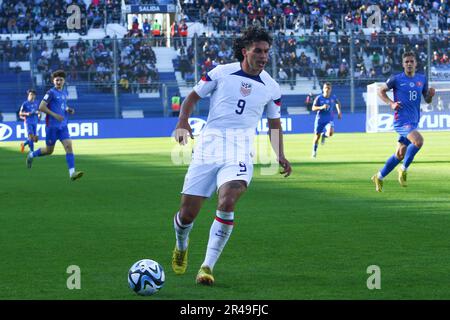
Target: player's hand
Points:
(58, 117)
(287, 169)
(325, 107)
(395, 105)
(70, 110)
(182, 131)
(431, 92)
(339, 115)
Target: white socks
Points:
(181, 232)
(218, 236)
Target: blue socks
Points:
(411, 151)
(315, 147)
(31, 144)
(36, 153)
(390, 164)
(70, 159)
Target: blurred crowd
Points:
(50, 16)
(312, 38)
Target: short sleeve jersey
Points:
(32, 107)
(238, 99)
(56, 102)
(408, 91)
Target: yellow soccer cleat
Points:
(76, 175)
(179, 261)
(205, 277)
(378, 183)
(402, 175)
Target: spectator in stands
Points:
(175, 35)
(184, 66)
(386, 70)
(376, 59)
(146, 28)
(156, 32)
(309, 101)
(282, 76)
(183, 31)
(176, 104)
(124, 83)
(135, 25)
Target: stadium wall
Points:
(163, 127)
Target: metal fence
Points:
(123, 67)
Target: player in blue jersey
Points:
(54, 105)
(408, 87)
(324, 104)
(29, 112)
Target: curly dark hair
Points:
(249, 36)
(58, 73)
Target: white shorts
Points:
(202, 179)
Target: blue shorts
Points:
(31, 129)
(319, 126)
(403, 132)
(53, 134)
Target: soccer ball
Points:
(146, 277)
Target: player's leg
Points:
(411, 150)
(183, 221)
(199, 184)
(31, 142)
(318, 131)
(330, 130)
(23, 145)
(229, 192)
(390, 164)
(32, 129)
(70, 159)
(50, 139)
(27, 141)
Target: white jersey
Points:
(237, 98)
(237, 103)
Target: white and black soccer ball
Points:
(146, 277)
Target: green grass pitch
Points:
(310, 236)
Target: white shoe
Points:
(314, 154)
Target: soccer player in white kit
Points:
(222, 158)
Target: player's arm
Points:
(276, 140)
(382, 93)
(43, 108)
(338, 108)
(23, 114)
(70, 110)
(316, 107)
(183, 128)
(429, 95)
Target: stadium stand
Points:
(114, 70)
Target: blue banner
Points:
(164, 127)
(152, 8)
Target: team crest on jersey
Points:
(419, 83)
(246, 89)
